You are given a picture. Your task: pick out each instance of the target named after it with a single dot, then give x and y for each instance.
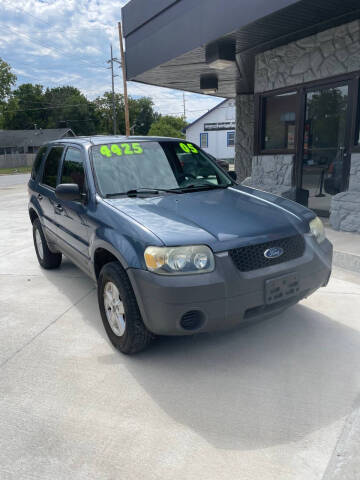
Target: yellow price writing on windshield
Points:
(121, 149)
(188, 148)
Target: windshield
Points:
(122, 167)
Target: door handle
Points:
(40, 197)
(59, 208)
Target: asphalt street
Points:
(272, 401)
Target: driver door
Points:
(71, 217)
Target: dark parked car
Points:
(222, 163)
(175, 247)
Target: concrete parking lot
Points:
(269, 401)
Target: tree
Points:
(25, 108)
(7, 80)
(30, 107)
(68, 107)
(141, 114)
(104, 113)
(167, 126)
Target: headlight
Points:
(179, 260)
(317, 229)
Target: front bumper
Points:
(225, 297)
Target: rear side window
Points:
(73, 168)
(38, 161)
(52, 166)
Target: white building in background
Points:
(215, 131)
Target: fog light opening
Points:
(192, 320)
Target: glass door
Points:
(325, 146)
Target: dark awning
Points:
(166, 39)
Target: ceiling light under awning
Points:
(208, 84)
(220, 55)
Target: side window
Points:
(38, 161)
(279, 121)
(52, 166)
(204, 140)
(230, 139)
(73, 168)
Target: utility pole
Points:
(184, 106)
(127, 121)
(111, 61)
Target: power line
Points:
(57, 50)
(44, 108)
(25, 12)
(91, 101)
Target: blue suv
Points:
(174, 244)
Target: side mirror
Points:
(69, 192)
(232, 174)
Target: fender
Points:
(98, 243)
(35, 205)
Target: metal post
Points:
(127, 121)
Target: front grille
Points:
(252, 257)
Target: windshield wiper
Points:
(203, 187)
(133, 192)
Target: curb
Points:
(344, 463)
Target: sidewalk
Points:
(346, 248)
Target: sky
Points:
(67, 42)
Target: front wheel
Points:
(46, 258)
(120, 312)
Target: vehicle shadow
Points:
(267, 384)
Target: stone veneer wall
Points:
(332, 52)
(244, 137)
(272, 173)
(345, 206)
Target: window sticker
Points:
(122, 149)
(188, 147)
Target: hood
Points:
(222, 219)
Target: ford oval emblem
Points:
(273, 252)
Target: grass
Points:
(10, 171)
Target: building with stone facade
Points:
(293, 68)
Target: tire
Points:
(47, 259)
(125, 328)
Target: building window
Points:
(204, 140)
(230, 139)
(279, 120)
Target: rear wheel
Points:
(120, 312)
(46, 258)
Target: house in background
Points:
(29, 141)
(215, 131)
